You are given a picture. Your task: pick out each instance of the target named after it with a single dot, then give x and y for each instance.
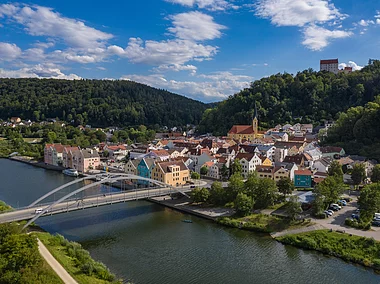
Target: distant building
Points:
(15, 119)
(173, 173)
(330, 65)
(302, 178)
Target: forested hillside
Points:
(358, 130)
(96, 102)
(284, 98)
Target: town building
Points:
(302, 178)
(173, 173)
(330, 65)
(53, 154)
(248, 162)
(246, 132)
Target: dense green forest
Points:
(307, 97)
(358, 130)
(97, 102)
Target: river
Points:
(148, 243)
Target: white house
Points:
(321, 165)
(248, 162)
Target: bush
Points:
(320, 216)
(358, 225)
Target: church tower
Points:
(255, 122)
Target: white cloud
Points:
(378, 21)
(216, 86)
(316, 38)
(9, 51)
(297, 12)
(37, 71)
(167, 52)
(176, 68)
(43, 21)
(366, 23)
(212, 5)
(195, 26)
(352, 64)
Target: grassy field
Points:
(356, 249)
(69, 263)
(262, 223)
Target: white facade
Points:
(330, 65)
(249, 166)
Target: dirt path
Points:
(57, 267)
(297, 231)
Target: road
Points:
(29, 213)
(55, 265)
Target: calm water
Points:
(148, 243)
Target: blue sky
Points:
(203, 49)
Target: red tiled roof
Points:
(160, 152)
(329, 61)
(330, 149)
(302, 172)
(241, 129)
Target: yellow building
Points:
(265, 161)
(173, 173)
(246, 132)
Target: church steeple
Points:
(255, 122)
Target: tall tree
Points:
(358, 174)
(243, 204)
(335, 169)
(293, 207)
(236, 167)
(369, 201)
(375, 177)
(330, 188)
(285, 186)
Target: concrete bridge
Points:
(38, 209)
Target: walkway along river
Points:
(148, 243)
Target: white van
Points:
(38, 211)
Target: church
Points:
(246, 132)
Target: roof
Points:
(324, 162)
(58, 147)
(288, 145)
(248, 148)
(307, 157)
(167, 166)
(331, 149)
(241, 129)
(247, 156)
(297, 159)
(209, 164)
(89, 153)
(302, 172)
(264, 169)
(320, 174)
(116, 147)
(160, 153)
(330, 61)
(345, 161)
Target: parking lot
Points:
(336, 222)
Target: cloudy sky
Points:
(203, 49)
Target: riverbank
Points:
(355, 249)
(77, 261)
(35, 163)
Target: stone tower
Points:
(255, 122)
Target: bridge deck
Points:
(89, 202)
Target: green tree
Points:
(243, 204)
(224, 172)
(358, 174)
(195, 175)
(285, 186)
(262, 190)
(375, 177)
(204, 170)
(199, 195)
(235, 186)
(293, 207)
(217, 194)
(330, 188)
(235, 167)
(335, 169)
(369, 201)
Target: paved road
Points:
(29, 213)
(57, 267)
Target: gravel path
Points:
(57, 267)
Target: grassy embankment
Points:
(262, 223)
(77, 261)
(365, 251)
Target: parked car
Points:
(347, 199)
(342, 202)
(336, 206)
(328, 213)
(376, 223)
(333, 208)
(355, 216)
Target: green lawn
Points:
(360, 250)
(262, 223)
(69, 263)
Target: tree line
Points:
(307, 97)
(100, 103)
